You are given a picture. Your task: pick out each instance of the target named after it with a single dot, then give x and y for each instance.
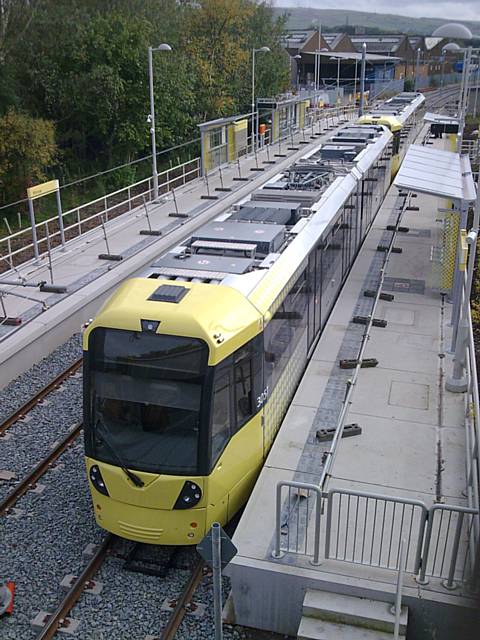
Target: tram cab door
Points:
(237, 437)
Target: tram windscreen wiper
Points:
(138, 482)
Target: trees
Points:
(27, 148)
(82, 64)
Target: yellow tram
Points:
(189, 370)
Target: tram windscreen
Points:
(145, 399)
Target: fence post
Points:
(9, 247)
(397, 608)
(34, 229)
(277, 553)
(449, 583)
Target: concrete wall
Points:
(271, 599)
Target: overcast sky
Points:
(449, 9)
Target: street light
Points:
(297, 57)
(151, 116)
(362, 79)
(417, 68)
(448, 48)
(254, 111)
(337, 58)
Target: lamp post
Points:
(417, 66)
(254, 111)
(362, 80)
(355, 84)
(297, 69)
(337, 58)
(151, 117)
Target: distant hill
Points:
(302, 17)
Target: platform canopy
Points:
(439, 118)
(437, 173)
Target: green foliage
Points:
(27, 149)
(408, 85)
(82, 64)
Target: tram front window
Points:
(145, 400)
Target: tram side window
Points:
(285, 329)
(247, 374)
(221, 413)
(243, 385)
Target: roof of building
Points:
(333, 39)
(378, 44)
(297, 39)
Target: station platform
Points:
(411, 448)
(49, 319)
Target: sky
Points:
(450, 9)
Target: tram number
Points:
(262, 398)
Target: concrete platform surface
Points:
(314, 629)
(91, 280)
(411, 448)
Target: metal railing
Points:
(330, 455)
(297, 518)
(366, 528)
(397, 607)
(18, 247)
(442, 556)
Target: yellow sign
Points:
(42, 189)
(240, 124)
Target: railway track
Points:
(29, 481)
(185, 598)
(41, 395)
(59, 618)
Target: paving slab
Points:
(412, 441)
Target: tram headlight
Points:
(189, 497)
(97, 480)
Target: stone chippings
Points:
(28, 442)
(46, 541)
(14, 395)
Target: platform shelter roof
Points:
(437, 173)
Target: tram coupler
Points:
(352, 363)
(388, 297)
(376, 322)
(392, 227)
(384, 248)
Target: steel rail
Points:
(169, 631)
(57, 619)
(37, 398)
(42, 467)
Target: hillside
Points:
(300, 18)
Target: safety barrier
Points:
(367, 529)
(18, 247)
(364, 528)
